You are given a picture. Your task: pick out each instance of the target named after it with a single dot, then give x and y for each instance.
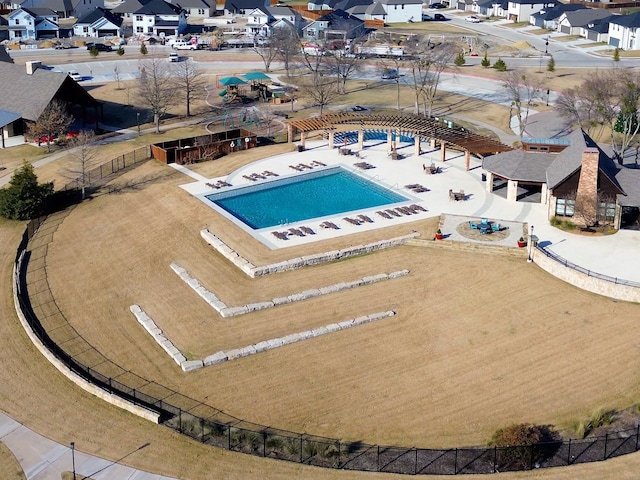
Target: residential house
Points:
(521, 10)
(32, 24)
(322, 4)
(65, 8)
(464, 5)
(624, 31)
(158, 18)
(99, 23)
(563, 172)
(127, 8)
(548, 17)
(197, 8)
(402, 11)
(598, 30)
(27, 91)
(4, 29)
(260, 21)
(573, 23)
(243, 7)
(338, 21)
(491, 8)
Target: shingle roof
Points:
(279, 11)
(534, 2)
(557, 11)
(29, 95)
(629, 179)
(99, 13)
(39, 12)
(569, 160)
(4, 56)
(55, 5)
(158, 7)
(581, 18)
(401, 2)
(192, 3)
(347, 4)
(243, 4)
(6, 117)
(129, 6)
(601, 25)
(630, 21)
(520, 165)
(375, 9)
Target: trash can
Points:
(483, 177)
(301, 148)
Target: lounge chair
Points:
(297, 232)
(495, 227)
(415, 206)
(353, 221)
(307, 230)
(393, 212)
(296, 168)
(249, 178)
(384, 214)
(364, 218)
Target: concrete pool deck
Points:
(608, 255)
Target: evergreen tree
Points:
(500, 66)
(143, 49)
(551, 65)
(485, 61)
(616, 55)
(24, 198)
(459, 60)
(120, 50)
(93, 52)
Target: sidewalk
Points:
(44, 459)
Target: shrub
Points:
(500, 66)
(24, 198)
(616, 55)
(551, 65)
(120, 50)
(93, 52)
(143, 49)
(598, 418)
(520, 439)
(485, 61)
(459, 60)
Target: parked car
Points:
(438, 17)
(390, 74)
(75, 75)
(426, 17)
(437, 5)
(472, 19)
(358, 108)
(101, 47)
(174, 57)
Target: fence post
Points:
(134, 396)
(606, 438)
(300, 448)
(569, 453)
(229, 438)
(455, 463)
(110, 387)
(264, 444)
(378, 460)
(180, 420)
(415, 464)
(340, 454)
(495, 458)
(531, 458)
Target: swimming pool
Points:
(294, 199)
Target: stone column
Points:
(467, 159)
(290, 133)
(433, 143)
(587, 194)
(416, 144)
(512, 190)
(443, 150)
(360, 139)
(331, 134)
(544, 194)
(489, 182)
(389, 141)
(303, 138)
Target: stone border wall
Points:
(583, 281)
(226, 311)
(292, 264)
(112, 398)
(223, 356)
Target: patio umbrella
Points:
(256, 76)
(226, 81)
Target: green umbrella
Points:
(256, 76)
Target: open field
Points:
(391, 382)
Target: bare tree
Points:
(391, 70)
(156, 88)
(322, 90)
(606, 102)
(53, 121)
(343, 65)
(268, 116)
(190, 82)
(439, 59)
(286, 43)
(523, 90)
(267, 50)
(116, 75)
(84, 154)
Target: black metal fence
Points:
(589, 273)
(211, 426)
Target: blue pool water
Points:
(316, 194)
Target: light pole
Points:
(546, 45)
(138, 120)
(530, 245)
(73, 459)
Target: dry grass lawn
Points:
(460, 358)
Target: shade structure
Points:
(256, 76)
(226, 81)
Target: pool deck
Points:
(607, 255)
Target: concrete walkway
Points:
(44, 459)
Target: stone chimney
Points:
(32, 66)
(587, 194)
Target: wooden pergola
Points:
(421, 128)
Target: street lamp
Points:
(73, 459)
(138, 120)
(530, 245)
(546, 45)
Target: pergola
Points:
(413, 125)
